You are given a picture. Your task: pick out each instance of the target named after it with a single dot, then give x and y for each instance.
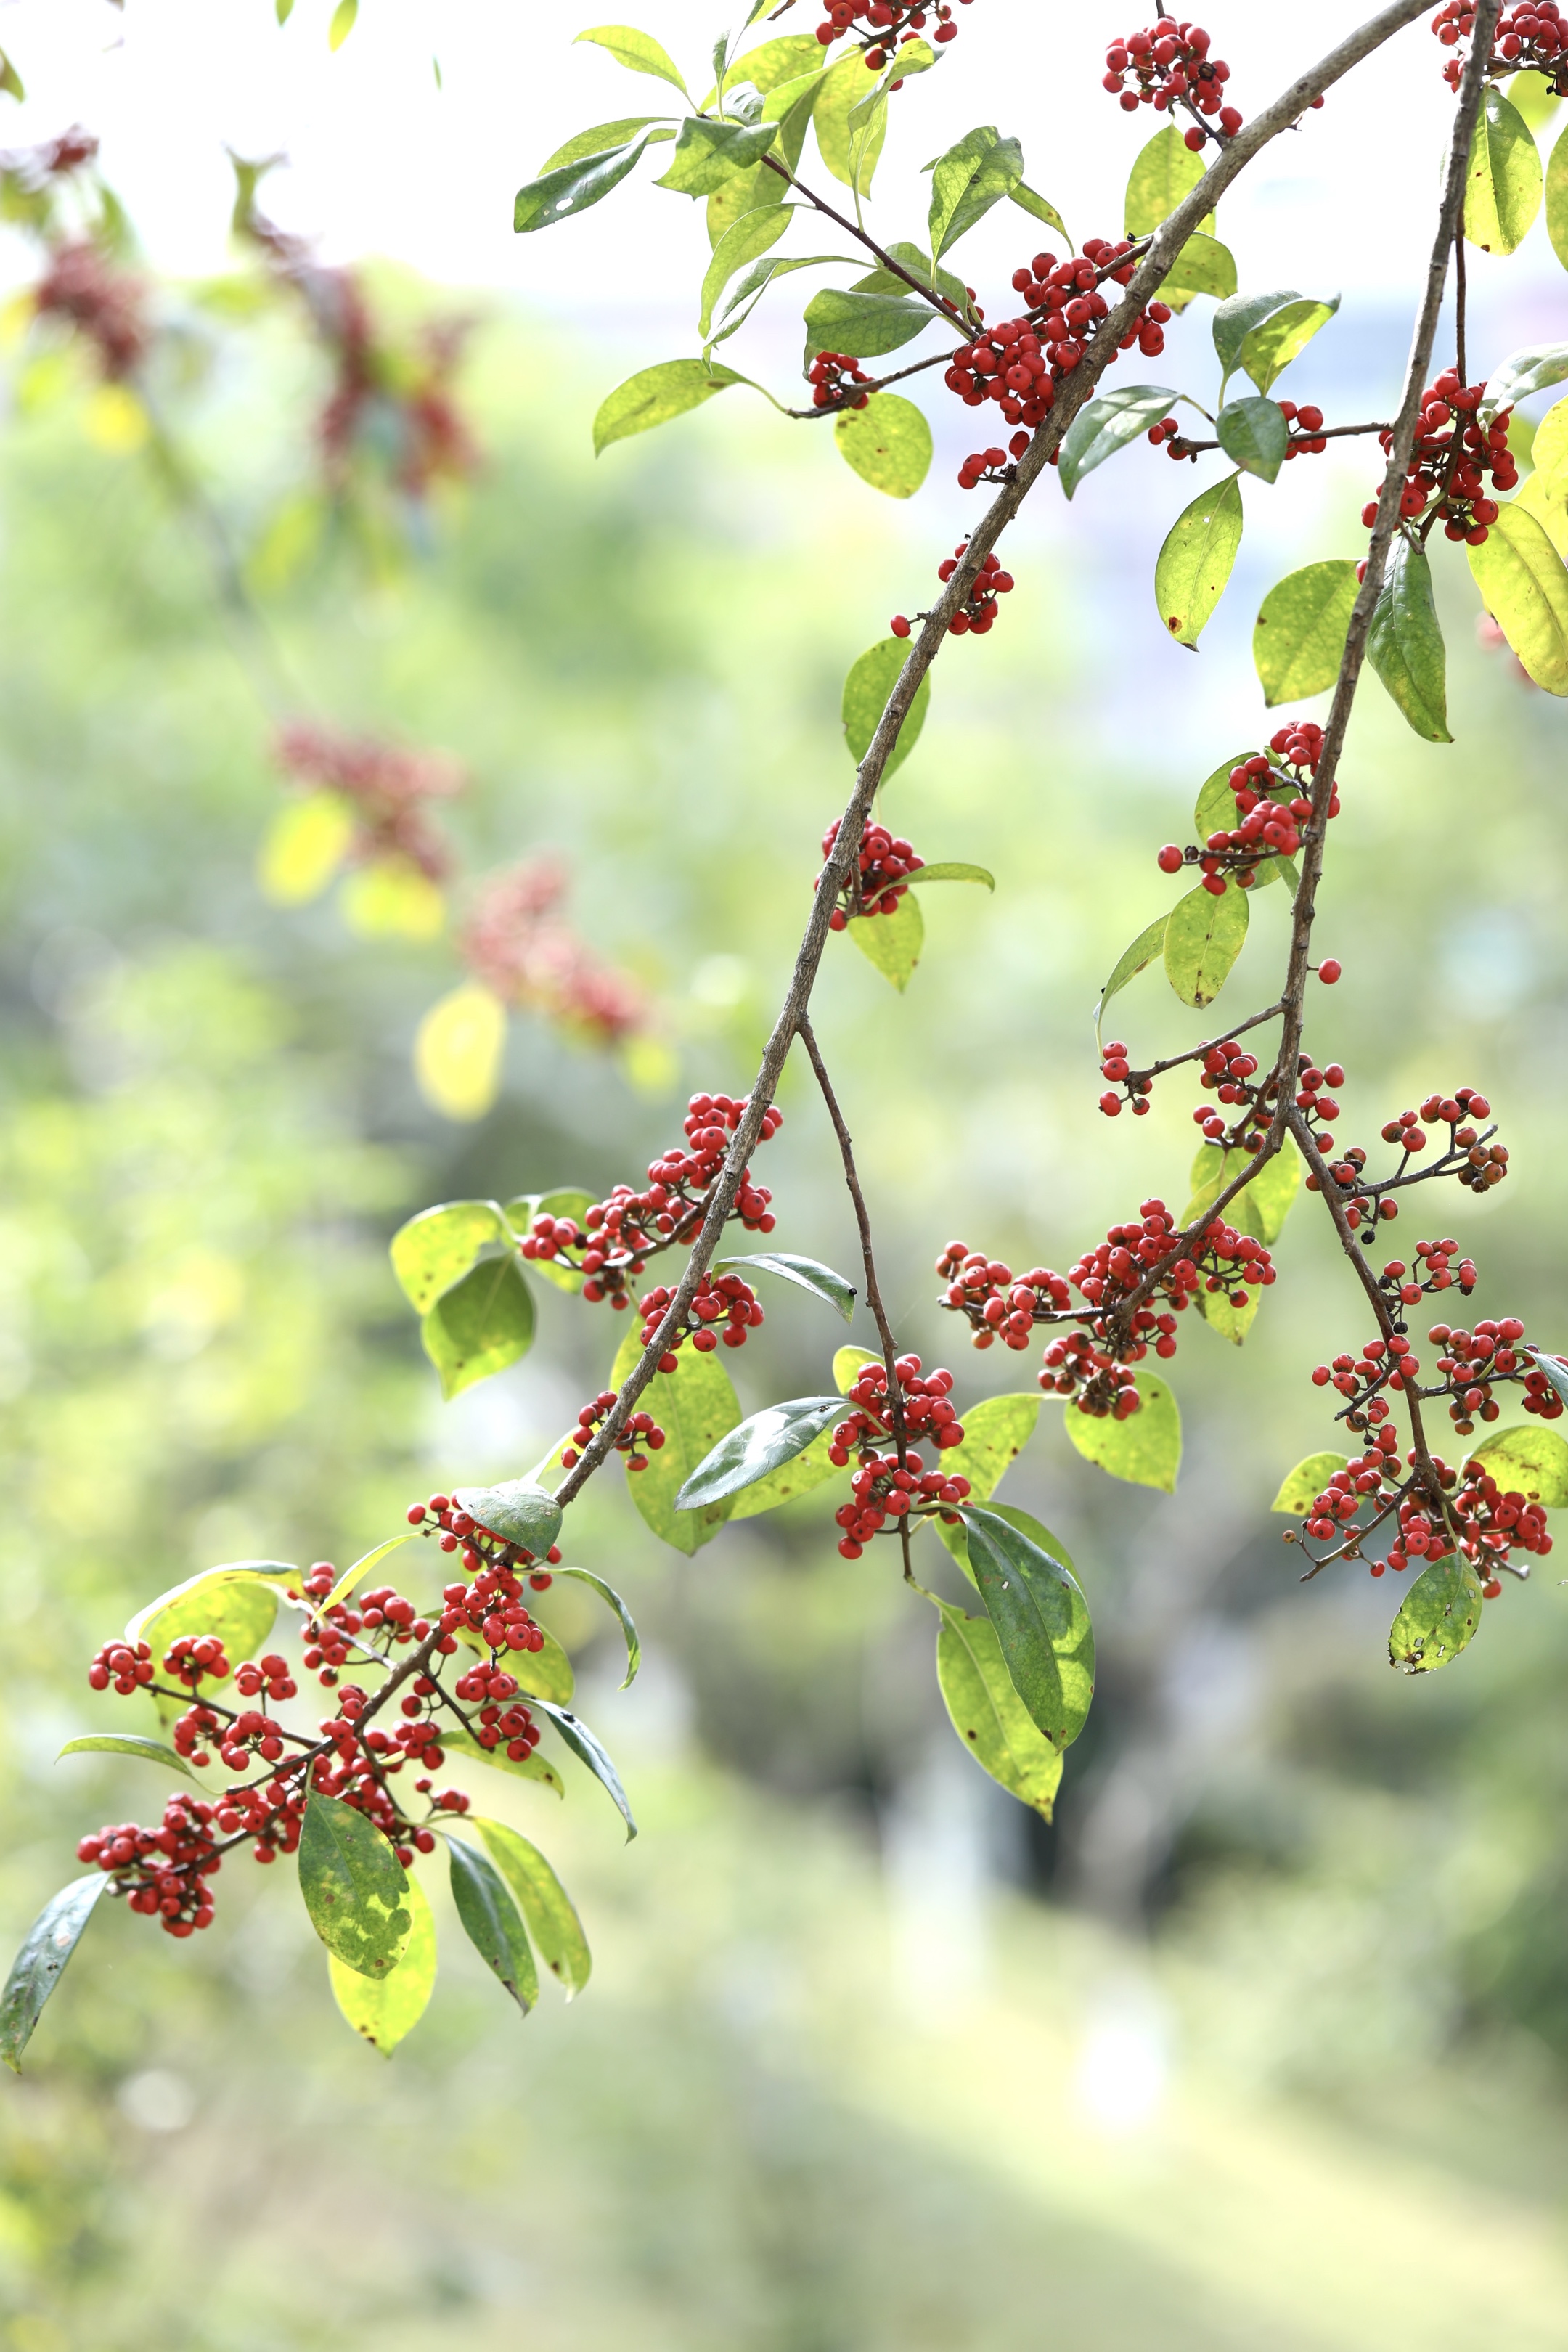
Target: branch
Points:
(873, 1291)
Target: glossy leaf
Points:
(1038, 208)
(1041, 1620)
(948, 872)
(491, 1921)
(758, 1446)
(1551, 1367)
(1502, 186)
(386, 2008)
(355, 1887)
(1524, 586)
(1149, 944)
(1253, 434)
(849, 1363)
(127, 1743)
(1109, 424)
(1194, 563)
(975, 174)
(1166, 169)
(547, 1909)
(1557, 200)
(637, 51)
(572, 188)
(654, 395)
(849, 152)
(588, 1750)
(1268, 348)
(433, 1250)
(459, 1048)
(866, 690)
(613, 1601)
(892, 942)
(1145, 1449)
(1529, 1457)
(1299, 641)
(742, 243)
(1203, 938)
(888, 443)
(707, 153)
(695, 1405)
(479, 1326)
(518, 1511)
(1302, 1485)
(1439, 1616)
(954, 1537)
(39, 1965)
(805, 1273)
(1204, 266)
(1404, 644)
(801, 1475)
(988, 1713)
(863, 325)
(1235, 318)
(601, 139)
(534, 1767)
(567, 1201)
(1522, 372)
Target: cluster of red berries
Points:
(1115, 1067)
(163, 1872)
(442, 1516)
(618, 1235)
(1169, 65)
(1533, 36)
(190, 1657)
(889, 24)
(1471, 1361)
(996, 1305)
(1017, 363)
(880, 875)
(1227, 1071)
(1346, 1491)
(1273, 791)
(886, 1490)
(640, 1435)
(990, 465)
(921, 1399)
(1470, 1153)
(1383, 1363)
(978, 610)
(832, 376)
(1450, 461)
(1307, 441)
(128, 1665)
(722, 1307)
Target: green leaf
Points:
(238, 1603)
(1194, 563)
(1166, 169)
(1303, 1485)
(481, 1324)
(1530, 1458)
(1522, 372)
(342, 23)
(757, 1447)
(612, 1599)
(567, 1201)
(385, 2009)
(1107, 424)
(1204, 266)
(888, 443)
(1557, 200)
(1533, 99)
(987, 1713)
(1232, 1323)
(801, 1475)
(127, 1743)
(695, 1406)
(1203, 938)
(639, 52)
(1404, 644)
(654, 395)
(918, 262)
(38, 1966)
(516, 1511)
(975, 174)
(863, 325)
(1149, 943)
(741, 243)
(546, 1673)
(435, 1248)
(1235, 318)
(1041, 1620)
(957, 1541)
(1551, 1367)
(1299, 642)
(707, 153)
(849, 1363)
(772, 64)
(352, 1576)
(1215, 803)
(996, 1432)
(534, 1767)
(740, 305)
(588, 1750)
(1253, 434)
(806, 1274)
(602, 137)
(1267, 350)
(892, 942)
(1036, 206)
(1145, 1449)
(355, 1887)
(748, 191)
(547, 1907)
(11, 81)
(491, 1921)
(954, 871)
(866, 692)
(1263, 1206)
(1524, 586)
(571, 188)
(1502, 187)
(1440, 1614)
(849, 153)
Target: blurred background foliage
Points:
(1264, 2040)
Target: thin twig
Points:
(873, 1293)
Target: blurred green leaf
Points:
(695, 1406)
(654, 395)
(866, 690)
(126, 1743)
(1145, 1449)
(892, 942)
(1439, 1616)
(355, 1887)
(479, 1325)
(491, 1921)
(1254, 433)
(1041, 1620)
(1404, 644)
(342, 23)
(385, 2009)
(888, 443)
(1524, 587)
(435, 1248)
(1203, 938)
(1194, 563)
(38, 1966)
(1502, 186)
(1302, 1485)
(1299, 641)
(988, 1713)
(546, 1908)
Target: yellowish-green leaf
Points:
(1166, 169)
(1530, 1459)
(601, 140)
(1149, 944)
(385, 2009)
(892, 942)
(850, 151)
(1533, 99)
(1524, 586)
(355, 1887)
(988, 1713)
(1203, 938)
(888, 443)
(637, 51)
(1268, 348)
(1557, 200)
(741, 243)
(305, 844)
(1404, 644)
(1303, 1485)
(458, 1051)
(391, 900)
(1299, 641)
(866, 690)
(342, 23)
(484, 1322)
(1440, 1614)
(996, 1432)
(1502, 187)
(1261, 1208)
(547, 1909)
(433, 1249)
(532, 1767)
(1194, 563)
(1231, 1322)
(1204, 266)
(695, 1405)
(849, 1363)
(1145, 1449)
(656, 394)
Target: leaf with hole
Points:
(1268, 348)
(758, 1446)
(1041, 1620)
(1302, 1485)
(1145, 1449)
(491, 1921)
(385, 2009)
(637, 51)
(1502, 185)
(888, 443)
(1529, 1458)
(589, 1750)
(892, 942)
(655, 395)
(39, 1965)
(1524, 587)
(805, 1273)
(1165, 171)
(612, 1599)
(988, 1713)
(1404, 643)
(866, 692)
(516, 1511)
(1299, 641)
(1149, 944)
(1203, 938)
(1439, 1616)
(1253, 434)
(435, 1249)
(355, 1887)
(975, 174)
(1107, 424)
(572, 188)
(695, 1406)
(546, 1908)
(127, 1743)
(1194, 563)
